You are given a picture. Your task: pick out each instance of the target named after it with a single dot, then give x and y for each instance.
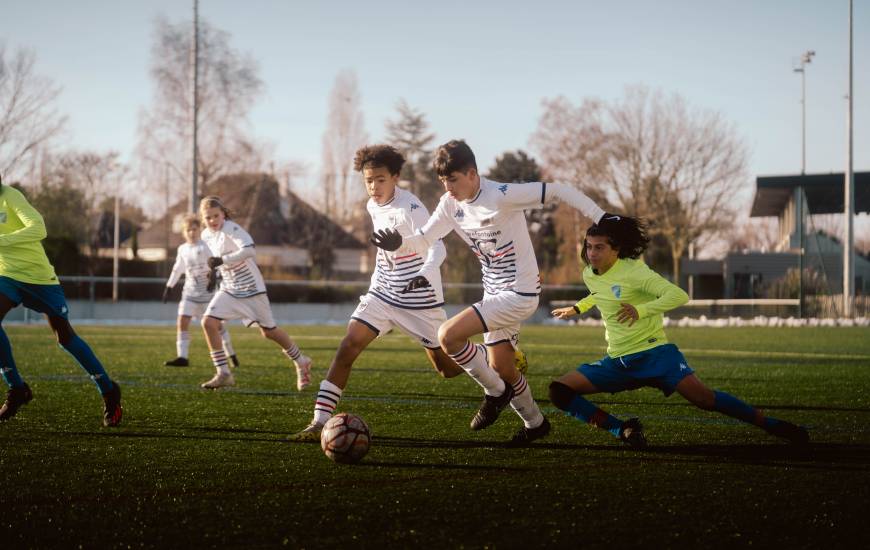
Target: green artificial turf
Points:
(196, 468)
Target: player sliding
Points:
(632, 299)
(242, 294)
(191, 260)
(405, 291)
(28, 278)
(489, 217)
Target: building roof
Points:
(255, 202)
(824, 193)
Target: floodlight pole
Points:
(849, 199)
(194, 107)
(805, 60)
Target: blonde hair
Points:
(190, 220)
(213, 201)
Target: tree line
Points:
(647, 154)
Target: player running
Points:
(405, 289)
(242, 294)
(489, 217)
(28, 278)
(191, 260)
(632, 299)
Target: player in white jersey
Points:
(242, 294)
(405, 290)
(191, 260)
(489, 217)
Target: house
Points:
(750, 274)
(289, 233)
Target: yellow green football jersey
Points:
(633, 282)
(21, 229)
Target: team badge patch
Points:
(617, 290)
(3, 216)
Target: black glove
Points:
(417, 282)
(212, 280)
(388, 239)
(215, 261)
(166, 290)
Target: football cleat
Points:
(177, 362)
(15, 398)
(219, 380)
(112, 410)
(309, 433)
(303, 372)
(234, 361)
(527, 435)
(521, 362)
(491, 407)
(632, 434)
(795, 434)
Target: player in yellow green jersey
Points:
(28, 278)
(632, 299)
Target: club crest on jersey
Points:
(503, 189)
(2, 216)
(459, 214)
(617, 290)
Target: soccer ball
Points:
(345, 438)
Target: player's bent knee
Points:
(561, 395)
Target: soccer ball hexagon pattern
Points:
(345, 438)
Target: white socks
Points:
(326, 402)
(524, 404)
(473, 359)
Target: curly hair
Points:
(453, 156)
(625, 234)
(377, 156)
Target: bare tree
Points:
(228, 87)
(652, 156)
(28, 118)
(345, 133)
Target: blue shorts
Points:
(48, 299)
(661, 367)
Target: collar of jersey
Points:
(479, 191)
(614, 269)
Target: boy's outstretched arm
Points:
(670, 296)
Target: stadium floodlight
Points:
(800, 67)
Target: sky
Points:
(478, 69)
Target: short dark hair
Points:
(625, 234)
(453, 156)
(377, 156)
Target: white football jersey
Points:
(240, 276)
(191, 260)
(494, 226)
(405, 213)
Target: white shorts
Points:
(251, 310)
(191, 309)
(420, 324)
(502, 315)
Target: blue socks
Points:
(85, 357)
(586, 411)
(7, 362)
(730, 405)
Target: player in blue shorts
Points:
(632, 299)
(28, 278)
